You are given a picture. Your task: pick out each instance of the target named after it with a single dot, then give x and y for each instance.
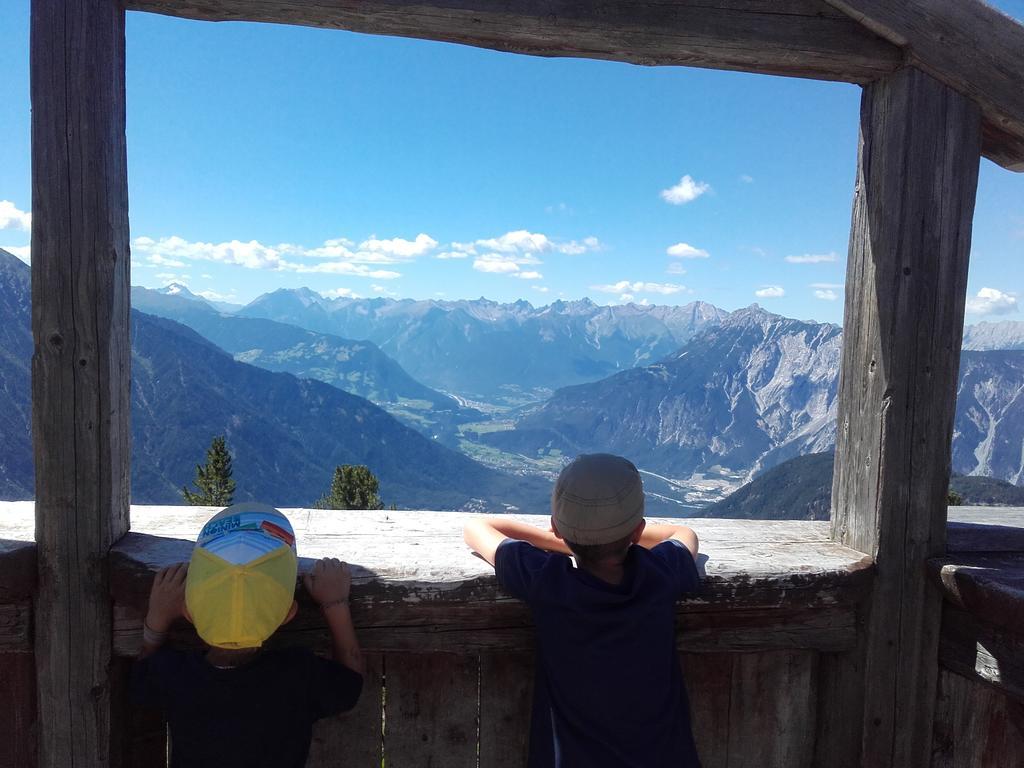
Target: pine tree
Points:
(213, 479)
(353, 487)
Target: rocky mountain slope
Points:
(286, 434)
(752, 392)
(497, 352)
(801, 489)
(1006, 334)
(358, 367)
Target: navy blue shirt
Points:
(258, 715)
(609, 689)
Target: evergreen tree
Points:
(213, 479)
(954, 499)
(353, 487)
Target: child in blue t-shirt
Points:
(609, 689)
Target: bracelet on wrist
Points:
(332, 603)
(151, 637)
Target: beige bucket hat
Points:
(597, 499)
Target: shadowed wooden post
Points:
(905, 291)
(80, 368)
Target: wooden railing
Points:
(767, 647)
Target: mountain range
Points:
(504, 353)
(358, 367)
(285, 434)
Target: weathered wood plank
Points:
(801, 38)
(430, 712)
(772, 709)
(976, 727)
(80, 368)
(506, 698)
(18, 710)
(971, 47)
(905, 293)
(966, 44)
(990, 587)
(16, 627)
(357, 737)
(977, 650)
(708, 678)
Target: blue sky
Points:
(263, 157)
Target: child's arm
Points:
(166, 604)
(483, 535)
(329, 584)
(656, 533)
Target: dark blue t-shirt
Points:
(609, 689)
(259, 715)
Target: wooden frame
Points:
(973, 91)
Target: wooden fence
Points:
(765, 647)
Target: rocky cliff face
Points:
(497, 352)
(754, 391)
(751, 392)
(15, 379)
(1007, 334)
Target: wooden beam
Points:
(964, 43)
(968, 45)
(799, 38)
(80, 368)
(906, 285)
(980, 651)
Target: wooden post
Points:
(917, 174)
(80, 368)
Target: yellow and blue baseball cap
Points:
(241, 578)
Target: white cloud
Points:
(522, 241)
(541, 288)
(561, 208)
(399, 248)
(333, 257)
(992, 301)
(22, 252)
(451, 255)
(675, 268)
(529, 275)
(813, 258)
(826, 294)
(746, 178)
(495, 264)
(12, 218)
(340, 293)
(161, 261)
(687, 190)
(770, 292)
(625, 287)
(384, 291)
(686, 251)
(826, 286)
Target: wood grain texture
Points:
(141, 733)
(990, 587)
(905, 293)
(975, 726)
(968, 45)
(506, 698)
(801, 38)
(430, 712)
(80, 367)
(772, 710)
(708, 678)
(17, 710)
(354, 738)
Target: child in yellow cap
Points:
(237, 704)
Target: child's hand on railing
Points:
(329, 582)
(167, 597)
